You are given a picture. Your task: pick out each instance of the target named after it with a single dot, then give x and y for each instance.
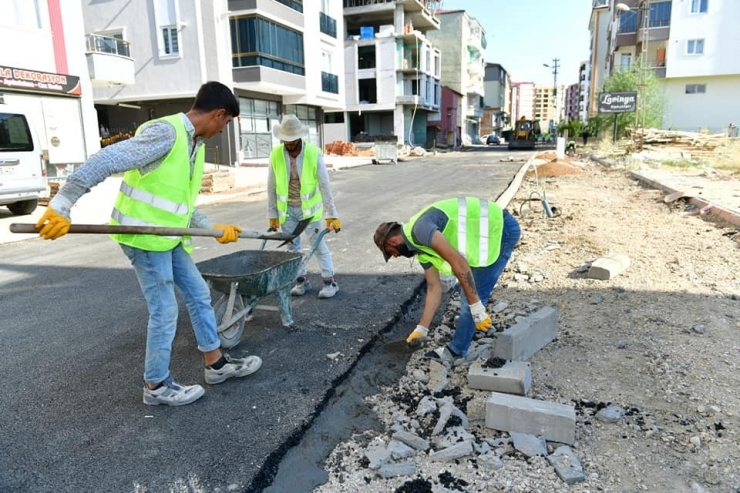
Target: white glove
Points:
(480, 316)
(418, 336)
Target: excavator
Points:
(524, 134)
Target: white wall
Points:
(157, 77)
(715, 110)
(718, 27)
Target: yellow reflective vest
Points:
(474, 228)
(311, 201)
(164, 197)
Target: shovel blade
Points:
(401, 346)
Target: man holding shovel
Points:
(467, 237)
(163, 167)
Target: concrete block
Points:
(556, 422)
(515, 377)
(529, 335)
(609, 267)
(457, 451)
(411, 440)
(407, 468)
(567, 465)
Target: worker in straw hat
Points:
(298, 187)
(467, 237)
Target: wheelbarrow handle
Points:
(153, 230)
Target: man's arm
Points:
(272, 211)
(143, 151)
(322, 174)
(433, 298)
(459, 266)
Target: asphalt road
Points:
(73, 328)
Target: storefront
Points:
(52, 103)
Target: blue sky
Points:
(524, 34)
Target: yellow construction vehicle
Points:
(524, 134)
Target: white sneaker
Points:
(301, 287)
(234, 367)
(329, 290)
(172, 393)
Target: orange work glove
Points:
(231, 233)
(333, 223)
(52, 225)
(274, 223)
(480, 316)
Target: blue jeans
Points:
(158, 274)
(323, 255)
(485, 279)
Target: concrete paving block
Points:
(567, 465)
(515, 377)
(556, 422)
(411, 440)
(529, 335)
(609, 267)
(457, 451)
(407, 468)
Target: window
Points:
(660, 14)
(628, 22)
(695, 47)
(699, 6)
(258, 41)
(296, 5)
(170, 43)
(696, 88)
(625, 61)
(15, 134)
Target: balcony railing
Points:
(104, 44)
(329, 83)
(327, 25)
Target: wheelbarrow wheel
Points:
(232, 334)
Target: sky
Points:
(524, 34)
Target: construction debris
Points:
(679, 139)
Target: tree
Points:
(654, 105)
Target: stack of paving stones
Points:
(218, 181)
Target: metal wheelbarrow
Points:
(244, 278)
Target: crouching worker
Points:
(467, 237)
(163, 166)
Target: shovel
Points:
(401, 346)
(161, 231)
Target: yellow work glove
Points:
(52, 225)
(333, 223)
(231, 233)
(480, 316)
(418, 336)
(274, 223)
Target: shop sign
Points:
(22, 80)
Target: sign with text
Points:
(617, 102)
(22, 80)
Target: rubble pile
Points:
(679, 139)
(341, 148)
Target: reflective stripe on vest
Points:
(312, 203)
(164, 197)
(474, 228)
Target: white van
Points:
(22, 169)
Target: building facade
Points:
(259, 48)
(599, 23)
(584, 77)
(391, 72)
(497, 89)
(522, 100)
(690, 46)
(462, 42)
(44, 72)
(572, 100)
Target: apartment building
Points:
(391, 72)
(259, 48)
(691, 46)
(549, 105)
(462, 42)
(572, 101)
(497, 90)
(522, 100)
(584, 77)
(599, 22)
(44, 71)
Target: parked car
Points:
(22, 169)
(493, 140)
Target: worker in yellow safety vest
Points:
(163, 166)
(297, 188)
(469, 238)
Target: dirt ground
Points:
(661, 340)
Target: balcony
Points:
(109, 61)
(475, 112)
(417, 12)
(327, 25)
(329, 83)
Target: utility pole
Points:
(555, 66)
